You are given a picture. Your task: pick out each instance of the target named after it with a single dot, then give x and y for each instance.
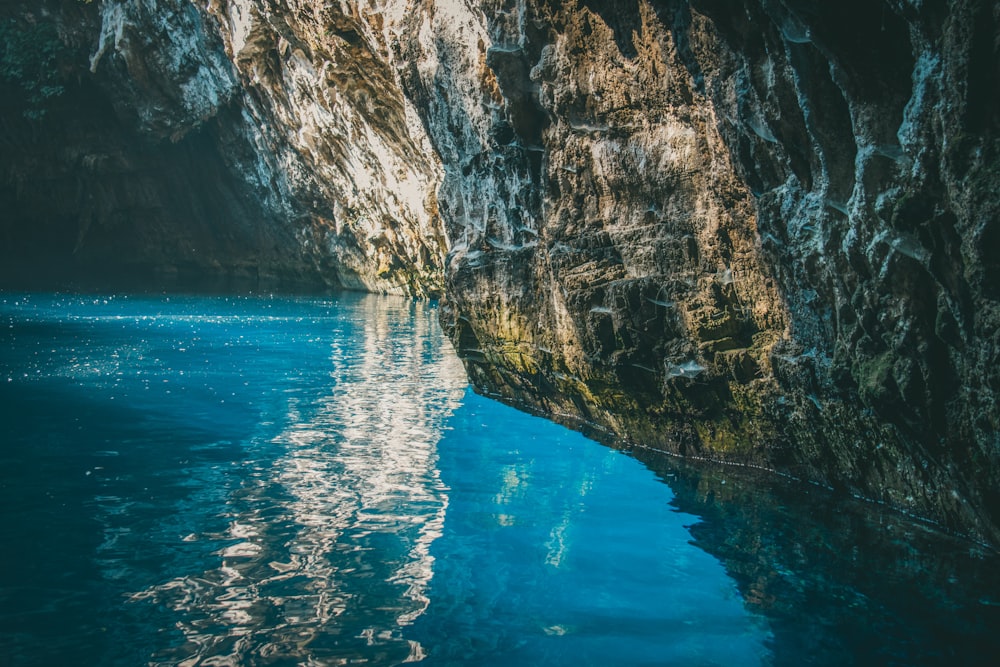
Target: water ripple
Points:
(327, 553)
(267, 481)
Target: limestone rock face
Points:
(868, 135)
(753, 231)
(265, 142)
(760, 231)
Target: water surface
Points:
(286, 481)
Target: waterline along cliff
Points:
(759, 231)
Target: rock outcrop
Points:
(758, 231)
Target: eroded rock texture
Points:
(256, 141)
(756, 231)
(762, 231)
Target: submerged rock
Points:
(744, 230)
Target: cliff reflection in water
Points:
(276, 481)
(840, 581)
(328, 555)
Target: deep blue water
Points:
(309, 481)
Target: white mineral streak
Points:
(112, 28)
(926, 78)
(189, 80)
(452, 41)
(241, 21)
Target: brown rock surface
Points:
(753, 231)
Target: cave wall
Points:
(758, 231)
(873, 139)
(256, 144)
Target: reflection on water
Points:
(328, 552)
(256, 479)
(236, 481)
(842, 582)
(558, 551)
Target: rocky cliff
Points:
(761, 231)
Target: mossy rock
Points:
(874, 378)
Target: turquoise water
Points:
(309, 481)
